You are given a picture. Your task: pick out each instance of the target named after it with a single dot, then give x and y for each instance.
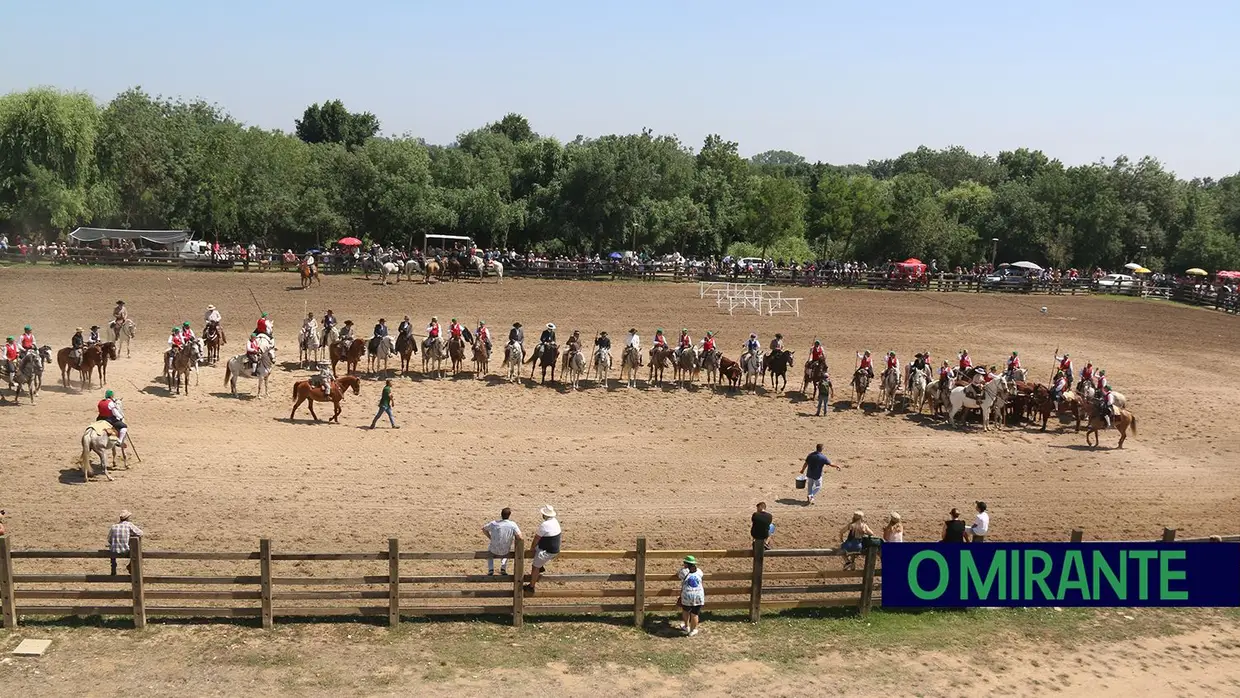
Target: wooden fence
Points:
(409, 589)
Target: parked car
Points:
(755, 263)
(1114, 281)
(1006, 277)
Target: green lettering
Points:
(915, 563)
(1166, 574)
(1039, 576)
(1073, 564)
(1102, 568)
(1015, 576)
(1143, 571)
(970, 576)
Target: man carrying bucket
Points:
(812, 470)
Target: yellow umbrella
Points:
(1197, 271)
(1140, 270)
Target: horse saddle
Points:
(973, 392)
(373, 346)
(102, 427)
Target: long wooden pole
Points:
(755, 582)
(639, 584)
(264, 580)
(518, 576)
(7, 589)
(393, 582)
(135, 578)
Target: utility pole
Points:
(994, 251)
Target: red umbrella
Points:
(350, 242)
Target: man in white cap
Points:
(118, 538)
(546, 545)
(211, 325)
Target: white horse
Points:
(513, 361)
(434, 352)
(888, 388)
(388, 269)
(478, 265)
(497, 269)
(917, 383)
(99, 438)
(751, 364)
(309, 344)
(993, 395)
(385, 350)
(237, 367)
(122, 335)
(630, 361)
(601, 366)
(575, 366)
(411, 267)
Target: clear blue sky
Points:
(834, 81)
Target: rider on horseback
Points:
(1013, 364)
(253, 351)
(966, 363)
(634, 343)
(187, 332)
(945, 375)
(1102, 380)
(777, 344)
(1087, 373)
(120, 315)
(817, 354)
(920, 364)
(211, 323)
(1065, 365)
(573, 344)
(405, 327)
(381, 329)
(547, 338)
(893, 365)
(602, 341)
(75, 348)
(708, 342)
(483, 333)
(329, 321)
(1106, 404)
(684, 342)
(10, 358)
(752, 345)
(94, 336)
(432, 333)
(264, 326)
(27, 340)
(866, 364)
(175, 341)
(455, 331)
(515, 335)
(1059, 387)
(346, 335)
(109, 411)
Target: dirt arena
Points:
(683, 467)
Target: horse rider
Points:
(187, 332)
(708, 343)
(1065, 365)
(322, 379)
(603, 342)
(346, 335)
(777, 344)
(483, 334)
(94, 336)
(381, 329)
(920, 364)
(685, 342)
(515, 335)
(175, 341)
(405, 327)
(1087, 373)
(309, 263)
(966, 363)
(10, 358)
(1059, 387)
(1102, 379)
(329, 321)
(659, 340)
(866, 363)
(1106, 403)
(211, 323)
(75, 348)
(253, 351)
(573, 344)
(817, 354)
(309, 326)
(547, 338)
(633, 342)
(455, 331)
(27, 340)
(109, 411)
(945, 375)
(120, 315)
(893, 366)
(432, 333)
(1013, 365)
(264, 326)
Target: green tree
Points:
(775, 211)
(332, 123)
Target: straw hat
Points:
(125, 514)
(547, 511)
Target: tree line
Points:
(148, 162)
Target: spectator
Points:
(851, 536)
(953, 528)
(981, 525)
(546, 545)
(762, 526)
(893, 532)
(385, 405)
(502, 534)
(812, 470)
(824, 391)
(118, 538)
(692, 596)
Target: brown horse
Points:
(1123, 421)
(731, 370)
(433, 270)
(213, 338)
(860, 384)
(406, 346)
(108, 352)
(333, 393)
(91, 356)
(660, 361)
(183, 362)
(351, 356)
(482, 359)
(812, 376)
(545, 358)
(456, 352)
(309, 275)
(453, 269)
(1045, 406)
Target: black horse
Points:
(545, 356)
(776, 365)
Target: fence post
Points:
(518, 576)
(755, 583)
(393, 582)
(264, 581)
(1078, 535)
(867, 580)
(7, 588)
(639, 584)
(1168, 535)
(135, 579)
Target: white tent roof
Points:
(160, 237)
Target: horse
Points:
(993, 396)
(99, 438)
(236, 367)
(350, 353)
(497, 269)
(776, 363)
(107, 352)
(751, 364)
(389, 269)
(1016, 375)
(731, 370)
(382, 351)
(710, 364)
(575, 366)
(917, 382)
(482, 359)
(434, 350)
(1087, 392)
(478, 265)
(888, 386)
(514, 356)
(544, 355)
(409, 268)
(334, 393)
(330, 336)
(213, 338)
(456, 352)
(90, 359)
(630, 361)
(685, 368)
(860, 384)
(309, 275)
(29, 366)
(812, 375)
(121, 334)
(660, 361)
(1069, 404)
(184, 362)
(1123, 420)
(406, 346)
(308, 345)
(453, 269)
(432, 270)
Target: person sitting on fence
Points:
(777, 344)
(633, 343)
(692, 596)
(118, 539)
(94, 336)
(966, 362)
(501, 534)
(893, 532)
(546, 545)
(866, 363)
(762, 526)
(685, 342)
(76, 345)
(851, 536)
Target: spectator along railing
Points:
(417, 584)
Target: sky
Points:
(833, 81)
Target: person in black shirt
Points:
(76, 345)
(381, 329)
(761, 527)
(516, 334)
(602, 341)
(548, 335)
(953, 528)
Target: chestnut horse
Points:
(92, 358)
(333, 393)
(350, 356)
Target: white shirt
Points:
(309, 260)
(548, 528)
(692, 593)
(981, 525)
(212, 316)
(502, 531)
(634, 341)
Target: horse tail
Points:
(1134, 424)
(295, 390)
(227, 372)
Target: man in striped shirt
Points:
(118, 538)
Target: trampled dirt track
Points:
(683, 467)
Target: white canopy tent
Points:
(445, 239)
(159, 237)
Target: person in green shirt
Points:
(385, 405)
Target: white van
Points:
(193, 249)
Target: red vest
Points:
(965, 363)
(27, 341)
(1014, 363)
(893, 362)
(178, 340)
(455, 329)
(434, 331)
(685, 341)
(105, 408)
(1087, 373)
(10, 352)
(816, 353)
(708, 345)
(867, 362)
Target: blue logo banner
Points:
(1060, 574)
